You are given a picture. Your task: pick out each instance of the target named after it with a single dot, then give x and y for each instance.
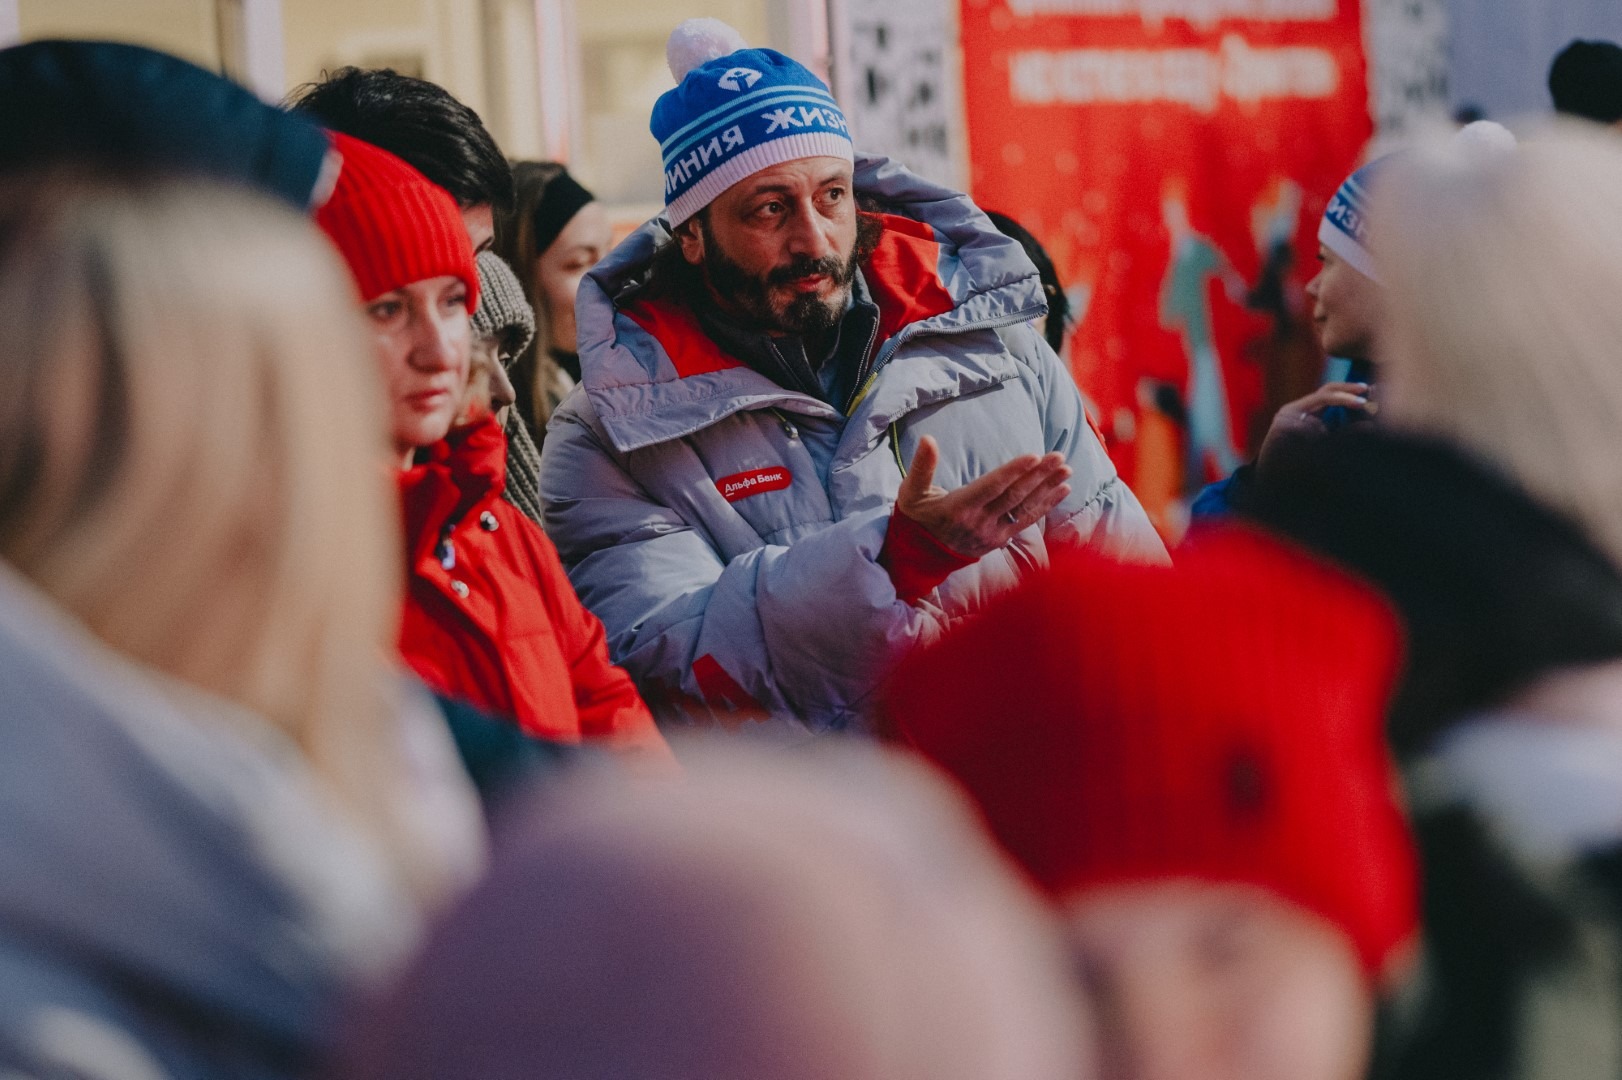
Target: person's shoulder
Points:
(575, 408)
(573, 427)
(1030, 350)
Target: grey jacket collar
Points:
(239, 896)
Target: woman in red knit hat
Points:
(1190, 761)
(490, 619)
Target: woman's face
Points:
(1345, 307)
(558, 270)
(422, 340)
(489, 391)
(1201, 981)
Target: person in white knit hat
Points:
(809, 433)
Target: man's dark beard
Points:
(808, 315)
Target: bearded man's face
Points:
(781, 247)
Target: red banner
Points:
(1174, 157)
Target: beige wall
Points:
(623, 72)
(184, 27)
(321, 35)
(512, 83)
(483, 51)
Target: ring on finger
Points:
(1012, 517)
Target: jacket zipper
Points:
(789, 428)
(865, 373)
(869, 372)
(895, 447)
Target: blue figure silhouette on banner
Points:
(1185, 307)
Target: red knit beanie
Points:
(393, 226)
(1219, 720)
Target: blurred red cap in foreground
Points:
(1219, 720)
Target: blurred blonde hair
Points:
(1504, 311)
(477, 396)
(192, 460)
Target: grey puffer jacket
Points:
(178, 901)
(727, 530)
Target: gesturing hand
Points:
(985, 514)
(1300, 417)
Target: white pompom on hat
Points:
(735, 111)
(1485, 136)
(698, 41)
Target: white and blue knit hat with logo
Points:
(736, 111)
(1345, 226)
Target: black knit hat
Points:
(559, 203)
(1586, 80)
(126, 107)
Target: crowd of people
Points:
(436, 640)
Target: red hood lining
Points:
(902, 276)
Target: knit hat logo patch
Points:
(736, 111)
(738, 79)
(1346, 214)
(1247, 785)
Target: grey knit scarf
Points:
(523, 468)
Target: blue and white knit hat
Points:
(736, 111)
(1345, 227)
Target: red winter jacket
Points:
(490, 617)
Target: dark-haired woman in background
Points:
(1056, 323)
(558, 231)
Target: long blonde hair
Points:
(191, 459)
(1503, 274)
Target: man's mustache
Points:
(797, 269)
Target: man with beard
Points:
(807, 435)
